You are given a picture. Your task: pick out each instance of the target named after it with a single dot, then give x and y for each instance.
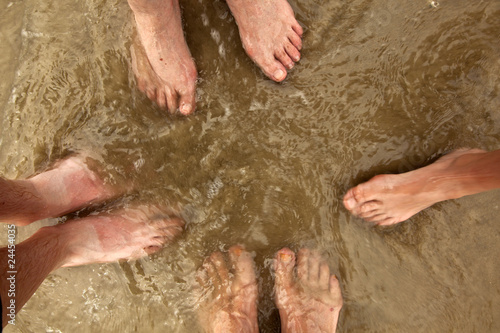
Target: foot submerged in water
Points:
(310, 302)
(270, 34)
(228, 293)
(161, 60)
(70, 185)
(125, 234)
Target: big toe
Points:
(283, 267)
(335, 291)
(187, 94)
(242, 263)
(273, 68)
(169, 228)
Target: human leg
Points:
(162, 62)
(68, 186)
(390, 199)
(125, 234)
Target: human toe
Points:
(335, 292)
(217, 258)
(297, 29)
(324, 276)
(369, 215)
(349, 200)
(369, 207)
(388, 221)
(292, 52)
(187, 103)
(313, 269)
(295, 40)
(303, 264)
(172, 100)
(283, 266)
(242, 263)
(284, 58)
(152, 249)
(376, 218)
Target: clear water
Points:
(383, 87)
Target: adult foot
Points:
(126, 234)
(270, 34)
(312, 301)
(161, 60)
(229, 295)
(70, 185)
(390, 199)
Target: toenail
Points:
(185, 108)
(285, 257)
(238, 251)
(279, 74)
(350, 203)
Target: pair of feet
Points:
(126, 233)
(308, 297)
(390, 199)
(162, 62)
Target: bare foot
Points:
(230, 303)
(270, 34)
(310, 303)
(390, 199)
(161, 60)
(127, 234)
(70, 185)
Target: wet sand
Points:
(382, 87)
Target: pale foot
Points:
(270, 34)
(229, 301)
(126, 234)
(161, 60)
(390, 199)
(312, 301)
(70, 185)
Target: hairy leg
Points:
(70, 185)
(127, 234)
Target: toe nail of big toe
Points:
(186, 108)
(279, 75)
(350, 203)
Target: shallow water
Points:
(383, 87)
